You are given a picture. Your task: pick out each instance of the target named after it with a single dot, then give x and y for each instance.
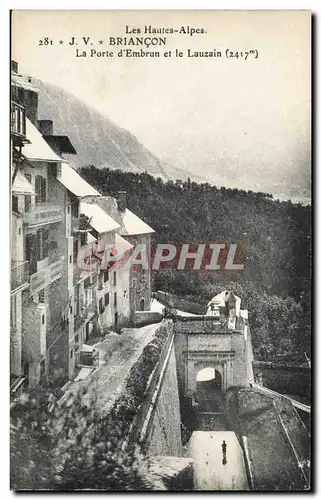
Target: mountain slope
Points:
(97, 140)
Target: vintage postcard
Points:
(160, 334)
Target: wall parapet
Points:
(202, 325)
(143, 421)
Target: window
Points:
(42, 244)
(115, 299)
(43, 319)
(106, 299)
(75, 209)
(83, 239)
(101, 306)
(15, 203)
(13, 315)
(52, 169)
(115, 280)
(71, 354)
(27, 196)
(75, 250)
(31, 252)
(42, 370)
(41, 296)
(106, 276)
(41, 189)
(27, 203)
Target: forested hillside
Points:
(274, 242)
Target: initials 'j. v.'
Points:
(84, 39)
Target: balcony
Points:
(46, 276)
(19, 274)
(43, 213)
(18, 120)
(88, 310)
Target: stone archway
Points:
(212, 375)
(195, 364)
(208, 390)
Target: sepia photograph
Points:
(161, 250)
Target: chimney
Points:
(14, 66)
(122, 201)
(45, 127)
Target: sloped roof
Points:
(38, 149)
(90, 238)
(223, 297)
(74, 182)
(63, 142)
(21, 81)
(21, 185)
(124, 244)
(130, 224)
(100, 221)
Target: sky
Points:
(244, 122)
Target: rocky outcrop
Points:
(177, 474)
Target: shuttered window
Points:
(42, 244)
(27, 196)
(39, 245)
(41, 189)
(15, 203)
(45, 243)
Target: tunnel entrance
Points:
(208, 392)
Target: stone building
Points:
(64, 293)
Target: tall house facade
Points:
(135, 232)
(40, 237)
(66, 291)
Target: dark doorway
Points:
(31, 255)
(86, 332)
(142, 305)
(209, 392)
(43, 372)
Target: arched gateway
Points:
(202, 343)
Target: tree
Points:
(68, 445)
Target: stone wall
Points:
(179, 303)
(143, 318)
(177, 474)
(294, 380)
(199, 345)
(165, 436)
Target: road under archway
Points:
(211, 472)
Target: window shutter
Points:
(39, 245)
(38, 188)
(43, 189)
(15, 203)
(45, 243)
